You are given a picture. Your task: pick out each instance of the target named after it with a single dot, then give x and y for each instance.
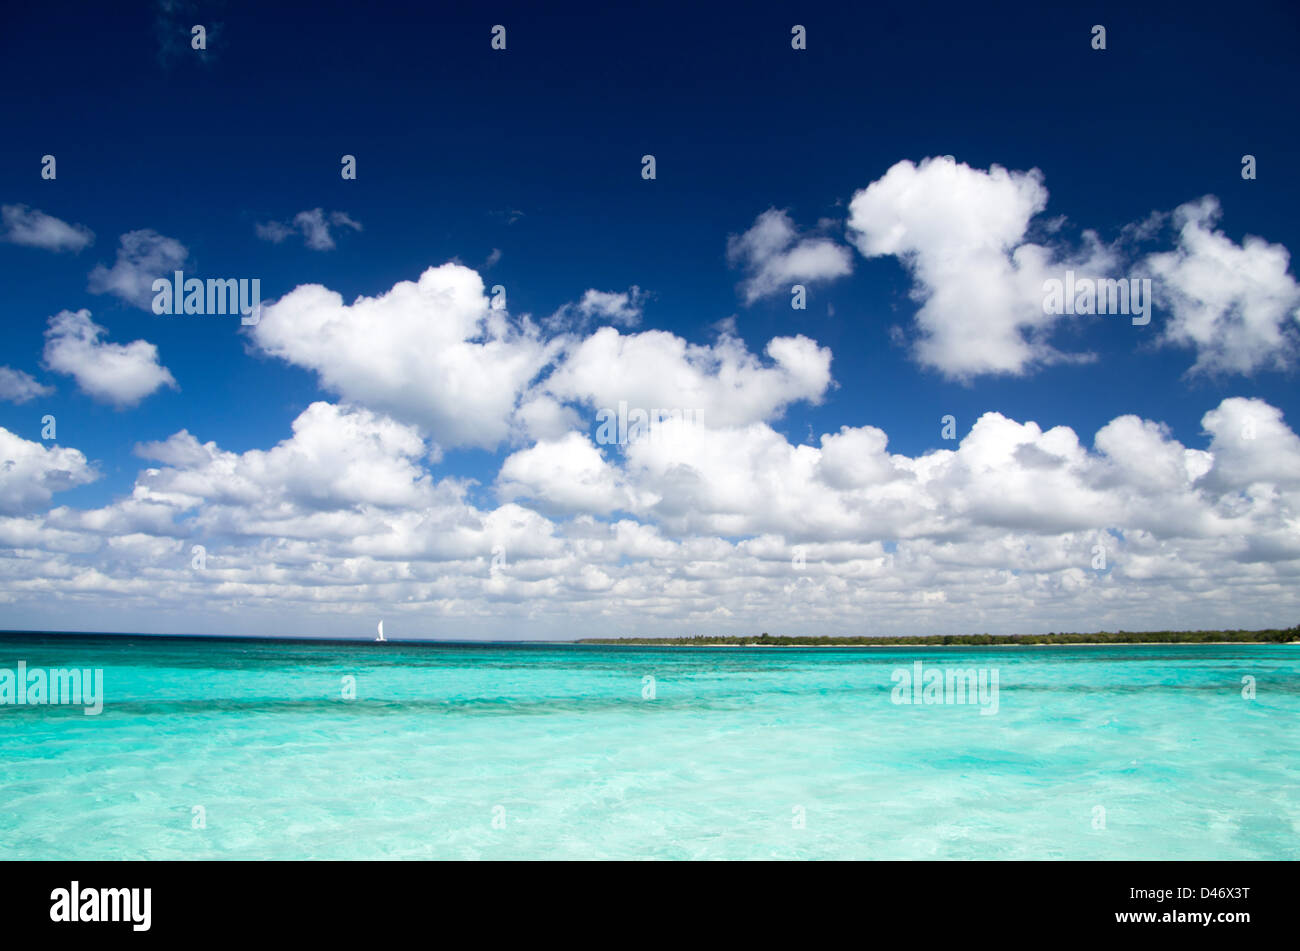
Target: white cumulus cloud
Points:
(142, 257)
(776, 256)
(723, 383)
(961, 232)
(36, 229)
(565, 474)
(31, 473)
(430, 351)
(1236, 304)
(17, 386)
(116, 373)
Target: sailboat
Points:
(380, 639)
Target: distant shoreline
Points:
(1096, 639)
(670, 642)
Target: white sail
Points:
(381, 631)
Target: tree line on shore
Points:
(1271, 636)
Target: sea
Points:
(233, 748)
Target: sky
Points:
(821, 238)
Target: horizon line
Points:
(603, 641)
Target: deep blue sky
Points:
(450, 137)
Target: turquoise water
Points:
(492, 752)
